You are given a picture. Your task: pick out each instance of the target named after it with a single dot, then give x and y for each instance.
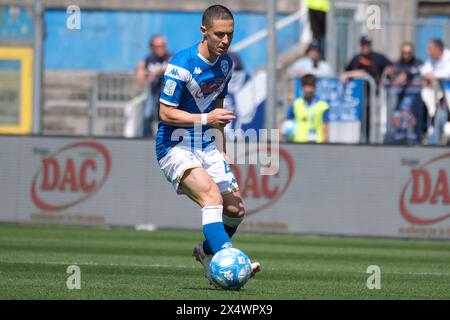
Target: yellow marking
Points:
(25, 56)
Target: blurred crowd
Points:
(407, 72)
(420, 118)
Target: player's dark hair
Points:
(216, 12)
(438, 43)
(309, 79)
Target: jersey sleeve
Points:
(175, 78)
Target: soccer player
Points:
(193, 157)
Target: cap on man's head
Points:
(366, 39)
(314, 45)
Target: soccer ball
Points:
(288, 129)
(230, 269)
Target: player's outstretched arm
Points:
(218, 118)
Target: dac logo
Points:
(425, 199)
(262, 191)
(71, 175)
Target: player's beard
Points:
(221, 51)
(218, 51)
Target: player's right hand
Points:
(219, 118)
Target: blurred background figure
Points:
(403, 123)
(238, 65)
(407, 67)
(367, 62)
(436, 68)
(311, 63)
(237, 82)
(408, 120)
(317, 12)
(307, 119)
(151, 72)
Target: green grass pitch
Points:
(127, 264)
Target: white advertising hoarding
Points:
(319, 189)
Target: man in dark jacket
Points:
(151, 72)
(367, 62)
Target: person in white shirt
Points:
(311, 64)
(438, 66)
(435, 69)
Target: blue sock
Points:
(230, 230)
(206, 247)
(214, 230)
(230, 224)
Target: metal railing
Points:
(105, 109)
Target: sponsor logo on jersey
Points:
(209, 86)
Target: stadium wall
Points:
(115, 41)
(331, 190)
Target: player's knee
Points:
(235, 210)
(212, 198)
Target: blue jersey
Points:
(192, 84)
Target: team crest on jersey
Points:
(225, 67)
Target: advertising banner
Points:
(346, 101)
(318, 189)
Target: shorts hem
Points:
(178, 180)
(229, 191)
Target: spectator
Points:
(317, 13)
(402, 124)
(407, 67)
(405, 80)
(311, 63)
(367, 62)
(309, 114)
(435, 69)
(151, 71)
(237, 81)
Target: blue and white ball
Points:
(230, 269)
(288, 129)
